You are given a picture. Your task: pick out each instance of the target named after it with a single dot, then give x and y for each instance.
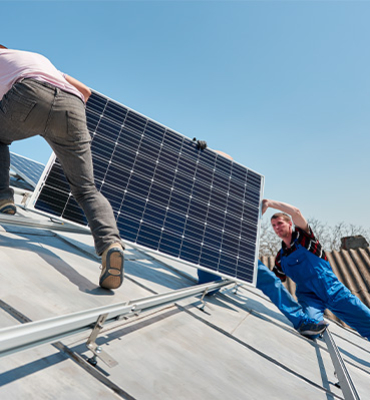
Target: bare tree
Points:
(321, 231)
(329, 237)
(342, 230)
(269, 242)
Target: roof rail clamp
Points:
(95, 348)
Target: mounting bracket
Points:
(95, 348)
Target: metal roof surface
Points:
(239, 347)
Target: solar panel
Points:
(29, 170)
(166, 194)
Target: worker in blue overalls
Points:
(272, 287)
(304, 261)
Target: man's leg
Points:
(350, 309)
(6, 193)
(205, 277)
(340, 301)
(272, 287)
(77, 166)
(14, 110)
(67, 134)
(31, 108)
(313, 307)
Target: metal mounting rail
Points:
(16, 338)
(345, 380)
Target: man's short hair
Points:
(2, 46)
(284, 216)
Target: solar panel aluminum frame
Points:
(33, 200)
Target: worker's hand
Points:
(201, 144)
(82, 88)
(265, 205)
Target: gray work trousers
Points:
(35, 108)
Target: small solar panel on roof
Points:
(166, 194)
(29, 170)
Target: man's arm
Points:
(298, 219)
(79, 86)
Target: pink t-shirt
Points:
(18, 64)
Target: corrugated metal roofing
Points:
(240, 346)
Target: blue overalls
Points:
(272, 287)
(318, 288)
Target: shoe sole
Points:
(312, 333)
(113, 275)
(10, 209)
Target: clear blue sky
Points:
(282, 86)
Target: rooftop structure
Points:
(236, 345)
(161, 335)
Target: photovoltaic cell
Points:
(29, 170)
(166, 194)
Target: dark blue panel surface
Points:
(29, 170)
(166, 194)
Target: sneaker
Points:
(312, 328)
(111, 276)
(7, 207)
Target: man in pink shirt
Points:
(37, 99)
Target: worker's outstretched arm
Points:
(297, 217)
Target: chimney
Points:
(354, 242)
